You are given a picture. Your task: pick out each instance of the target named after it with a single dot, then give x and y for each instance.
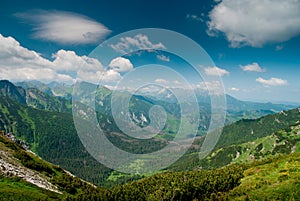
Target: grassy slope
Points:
(283, 141)
(272, 179)
(249, 130)
(246, 140)
(15, 188)
(275, 178)
(53, 136)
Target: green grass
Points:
(277, 179)
(17, 189)
(274, 178)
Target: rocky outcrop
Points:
(11, 170)
(12, 137)
(12, 167)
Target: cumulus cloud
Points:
(68, 60)
(64, 27)
(214, 87)
(139, 41)
(95, 77)
(163, 57)
(12, 53)
(18, 63)
(215, 71)
(44, 74)
(121, 64)
(253, 67)
(272, 81)
(255, 22)
(161, 81)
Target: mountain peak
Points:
(8, 89)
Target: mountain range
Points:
(40, 116)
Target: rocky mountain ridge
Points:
(12, 167)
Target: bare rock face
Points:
(11, 170)
(12, 167)
(12, 137)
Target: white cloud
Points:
(139, 41)
(95, 77)
(121, 64)
(215, 71)
(111, 76)
(255, 22)
(234, 89)
(272, 82)
(161, 81)
(18, 63)
(65, 27)
(44, 74)
(253, 67)
(12, 53)
(214, 87)
(68, 60)
(163, 57)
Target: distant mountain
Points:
(11, 91)
(44, 121)
(52, 89)
(61, 89)
(35, 84)
(33, 97)
(40, 100)
(165, 95)
(233, 104)
(48, 131)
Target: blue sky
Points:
(254, 44)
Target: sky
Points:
(254, 44)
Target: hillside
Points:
(9, 90)
(57, 97)
(246, 140)
(34, 97)
(52, 135)
(277, 178)
(283, 141)
(250, 129)
(236, 109)
(24, 176)
(52, 89)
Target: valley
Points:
(44, 123)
